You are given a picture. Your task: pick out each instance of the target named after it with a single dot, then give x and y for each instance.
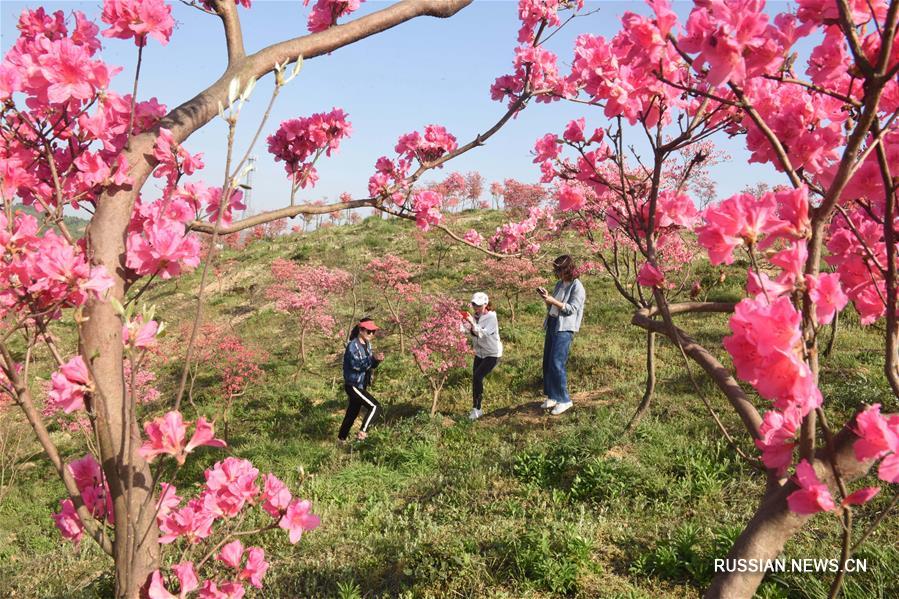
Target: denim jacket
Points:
(572, 311)
(357, 360)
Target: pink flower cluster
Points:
(519, 237)
(622, 74)
(860, 263)
(535, 72)
(426, 205)
(94, 493)
(166, 436)
(44, 273)
(158, 241)
(70, 384)
(434, 143)
(811, 122)
(173, 159)
(138, 19)
(735, 40)
(51, 66)
(300, 142)
(440, 344)
(766, 350)
(742, 219)
(878, 438)
(325, 13)
(230, 487)
(546, 12)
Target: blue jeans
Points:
(555, 355)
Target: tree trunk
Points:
(774, 524)
(136, 544)
(643, 408)
(511, 308)
(435, 397)
(302, 346)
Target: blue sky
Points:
(424, 71)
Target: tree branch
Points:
(227, 12)
(719, 374)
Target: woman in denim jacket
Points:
(565, 310)
(358, 362)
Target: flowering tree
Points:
(460, 191)
(234, 364)
(392, 275)
(731, 68)
(66, 140)
(517, 197)
(440, 344)
(511, 276)
(308, 293)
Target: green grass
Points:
(519, 504)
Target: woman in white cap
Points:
(358, 361)
(488, 349)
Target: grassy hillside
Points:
(518, 504)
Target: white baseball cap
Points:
(480, 299)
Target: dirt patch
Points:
(530, 413)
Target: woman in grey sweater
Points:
(488, 348)
(565, 310)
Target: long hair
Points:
(565, 265)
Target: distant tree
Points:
(392, 275)
(308, 293)
(510, 276)
(440, 344)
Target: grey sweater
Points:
(485, 336)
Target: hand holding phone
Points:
(542, 291)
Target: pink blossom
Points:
(813, 496)
(570, 197)
(675, 210)
(778, 431)
(860, 497)
(877, 435)
(70, 384)
(232, 554)
(300, 142)
(166, 435)
(187, 582)
(231, 483)
(325, 13)
(574, 131)
(825, 292)
(650, 276)
(67, 521)
(138, 334)
(426, 205)
(298, 519)
(138, 19)
(226, 590)
(256, 567)
(193, 522)
(547, 148)
(473, 237)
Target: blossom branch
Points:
(23, 398)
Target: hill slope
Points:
(519, 504)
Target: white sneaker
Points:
(548, 403)
(475, 414)
(561, 407)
